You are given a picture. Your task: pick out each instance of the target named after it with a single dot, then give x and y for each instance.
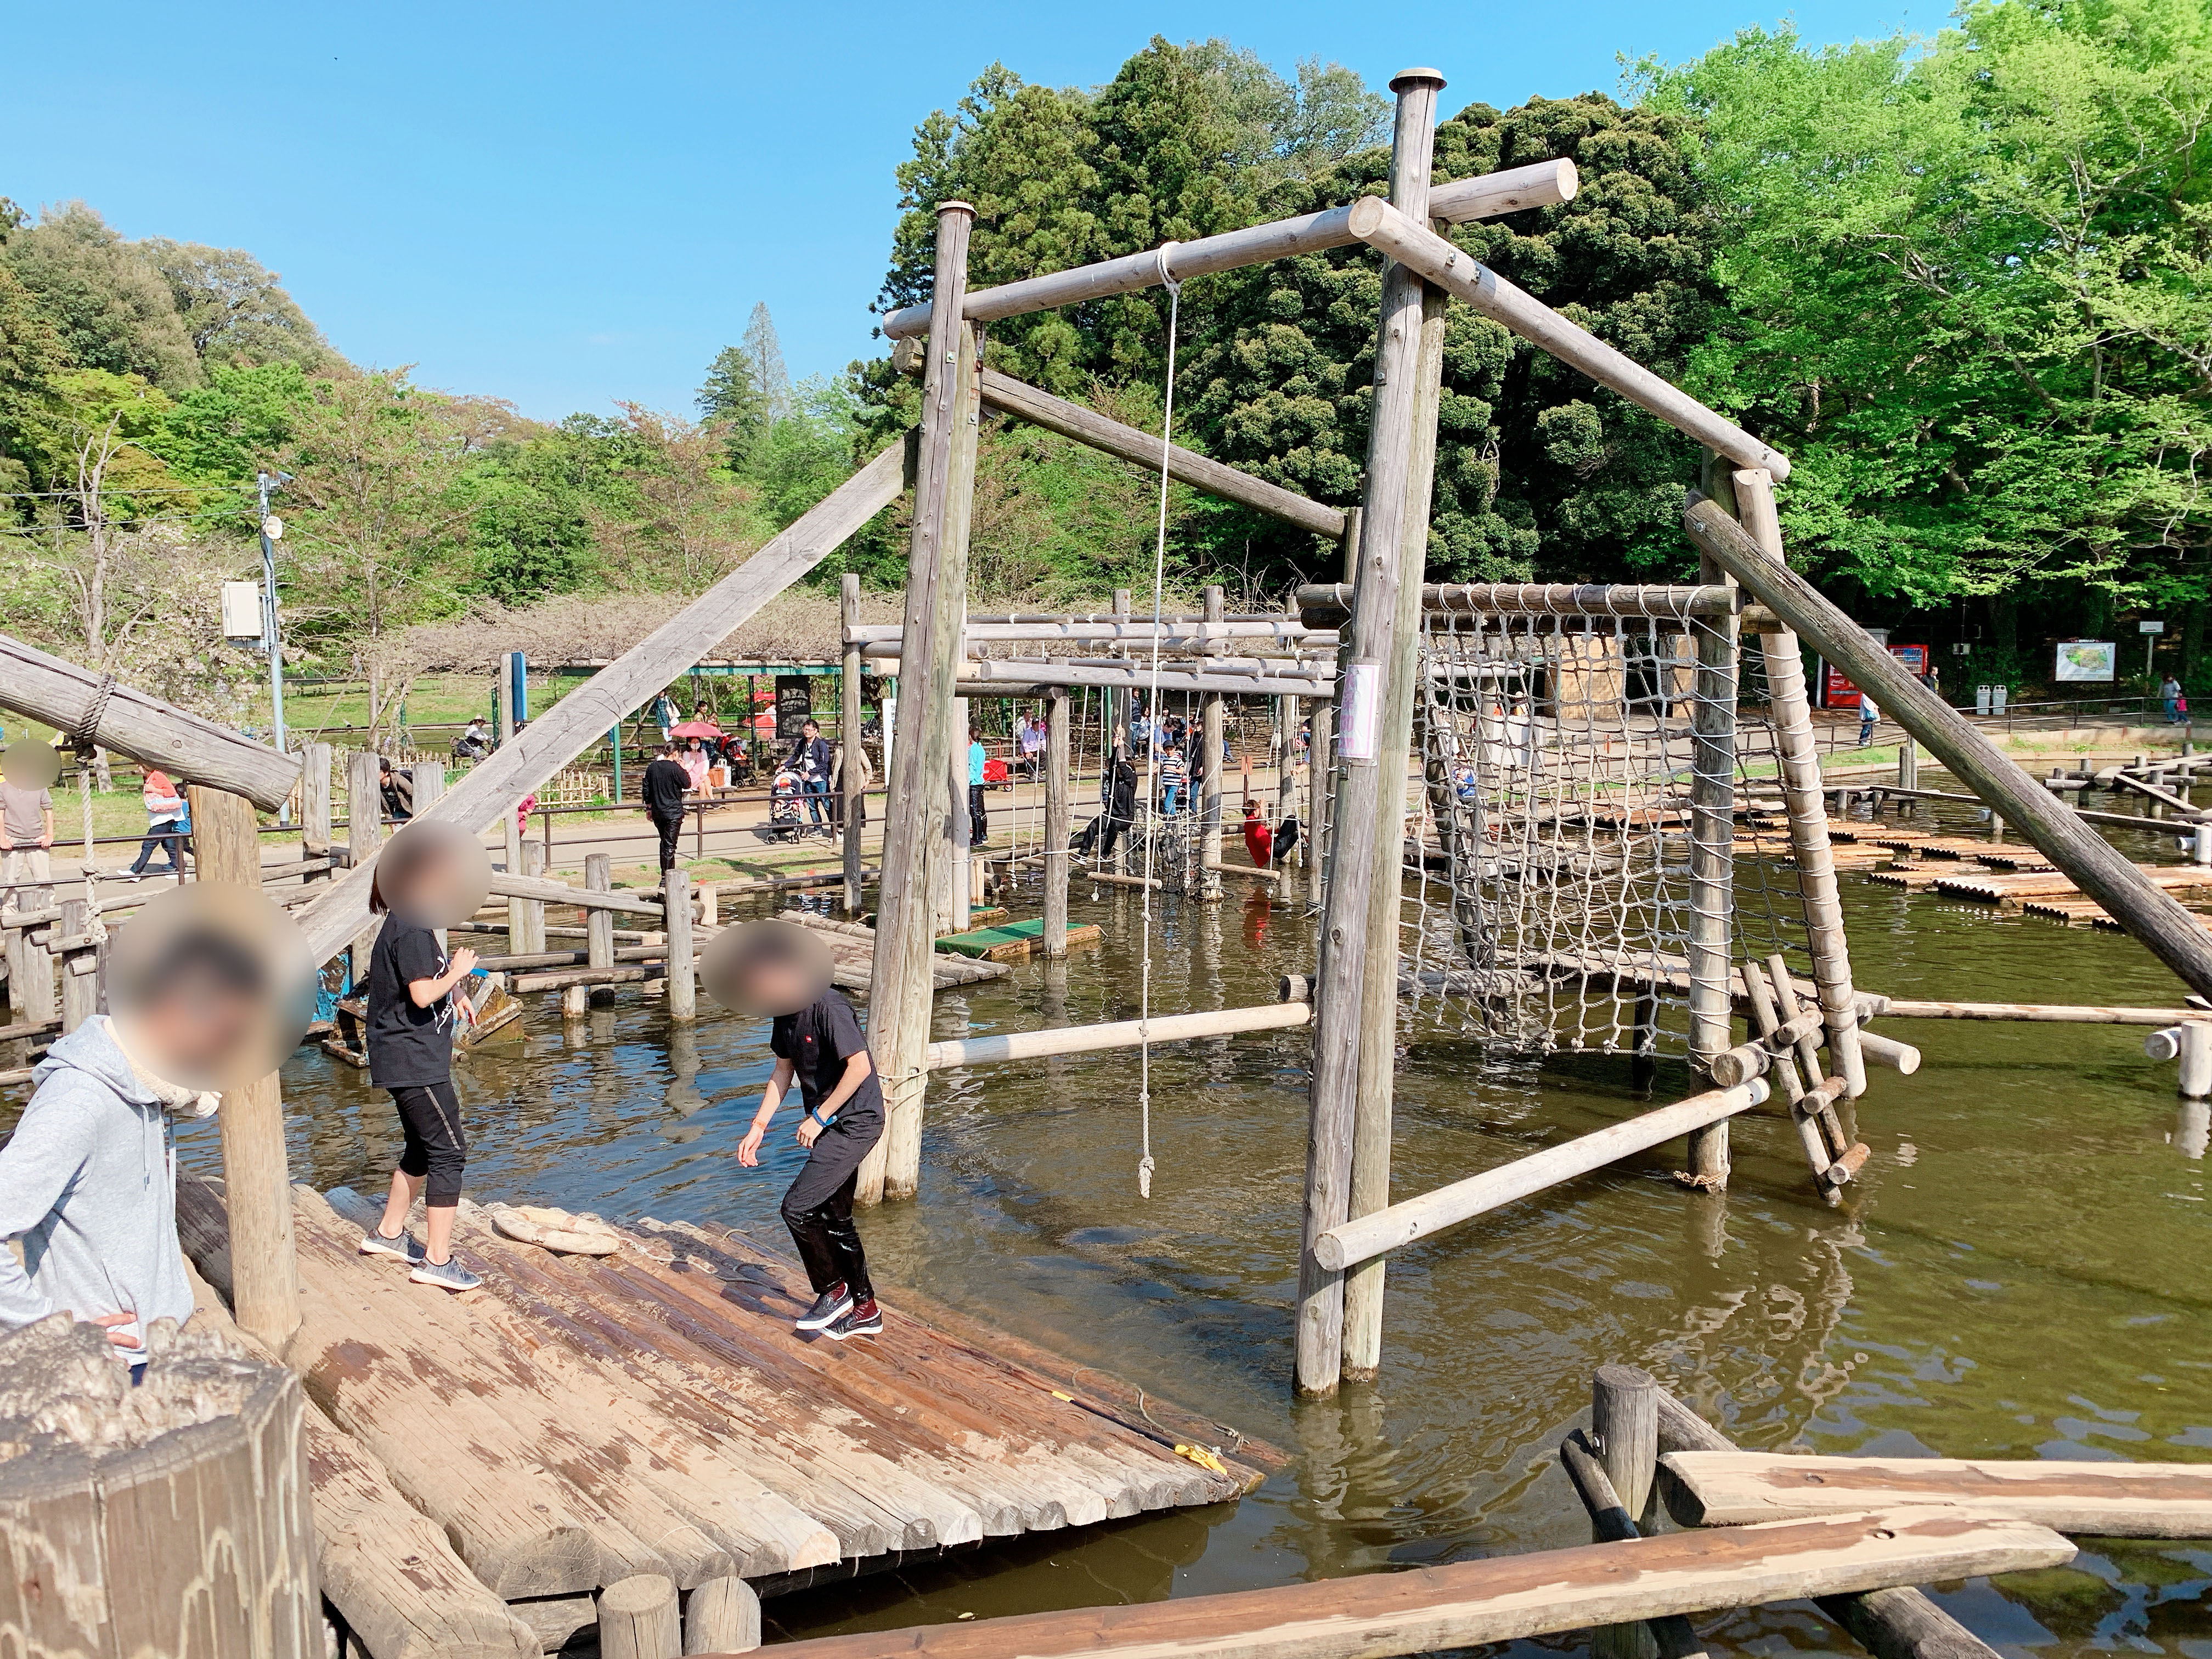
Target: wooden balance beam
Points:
(2103, 1500)
(1503, 1598)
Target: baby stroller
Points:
(783, 814)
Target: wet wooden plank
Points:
(1503, 1598)
(2102, 1499)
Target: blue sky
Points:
(565, 205)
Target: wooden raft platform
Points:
(1012, 940)
(853, 956)
(582, 1419)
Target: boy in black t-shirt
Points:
(821, 1045)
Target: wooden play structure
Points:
(1538, 817)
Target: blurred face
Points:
(433, 874)
(197, 1023)
(210, 986)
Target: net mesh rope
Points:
(1551, 830)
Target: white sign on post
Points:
(1362, 712)
(241, 611)
(2150, 628)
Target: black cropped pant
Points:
(430, 1118)
(818, 1208)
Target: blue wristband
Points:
(817, 1116)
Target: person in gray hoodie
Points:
(88, 1181)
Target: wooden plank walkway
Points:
(2101, 1500)
(582, 1419)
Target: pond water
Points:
(2025, 1269)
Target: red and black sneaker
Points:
(828, 1308)
(863, 1318)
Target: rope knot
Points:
(1162, 254)
(85, 739)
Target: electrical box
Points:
(241, 611)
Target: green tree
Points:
(111, 308)
(730, 400)
(234, 309)
(31, 357)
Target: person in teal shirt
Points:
(979, 820)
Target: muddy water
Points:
(2026, 1269)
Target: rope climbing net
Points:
(1577, 766)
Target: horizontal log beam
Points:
(1538, 184)
(583, 717)
(2038, 1013)
(1500, 1598)
(549, 891)
(1085, 426)
(1016, 675)
(1464, 277)
(2093, 864)
(1541, 184)
(1541, 600)
(2103, 1500)
(1117, 1033)
(1128, 630)
(189, 749)
(1369, 1236)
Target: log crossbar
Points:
(1369, 1236)
(1109, 630)
(1539, 184)
(1542, 600)
(1117, 1033)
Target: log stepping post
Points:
(1364, 859)
(1057, 813)
(1614, 1476)
(265, 1272)
(599, 924)
(683, 977)
(1213, 728)
(77, 956)
(638, 1618)
(722, 1615)
(929, 654)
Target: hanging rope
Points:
(1151, 748)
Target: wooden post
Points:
(429, 780)
(1712, 860)
(1211, 731)
(854, 775)
(1801, 787)
(598, 925)
(683, 982)
(1908, 763)
(957, 890)
(638, 1618)
(364, 834)
(929, 654)
(166, 1520)
(722, 1615)
(1372, 769)
(1288, 715)
(315, 804)
(258, 1181)
(1056, 816)
(1624, 1422)
(80, 976)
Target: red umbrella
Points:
(696, 729)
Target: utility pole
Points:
(272, 633)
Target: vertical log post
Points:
(1288, 714)
(1118, 704)
(1371, 769)
(638, 1618)
(853, 776)
(1753, 506)
(1712, 859)
(682, 980)
(1056, 817)
(722, 1615)
(1213, 726)
(1624, 1423)
(599, 924)
(518, 909)
(79, 965)
(929, 652)
(536, 861)
(315, 804)
(959, 888)
(257, 1181)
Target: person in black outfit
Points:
(662, 789)
(809, 762)
(411, 1053)
(1117, 792)
(821, 1045)
(398, 789)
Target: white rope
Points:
(1151, 748)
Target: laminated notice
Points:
(1360, 711)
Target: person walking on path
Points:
(1869, 716)
(2169, 693)
(979, 816)
(818, 1042)
(27, 820)
(410, 1054)
(168, 819)
(809, 762)
(662, 790)
(663, 714)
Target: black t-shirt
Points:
(663, 788)
(818, 1041)
(407, 1045)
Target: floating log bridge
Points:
(2102, 1500)
(1500, 1599)
(1117, 1033)
(586, 1418)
